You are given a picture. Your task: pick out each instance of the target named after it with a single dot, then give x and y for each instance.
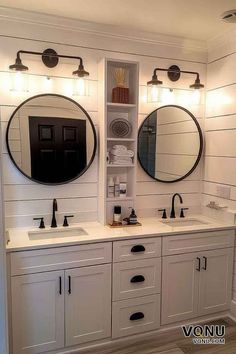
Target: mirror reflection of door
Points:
(57, 147)
(51, 139)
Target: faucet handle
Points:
(182, 212)
(65, 223)
(41, 225)
(164, 216)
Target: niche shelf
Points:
(108, 111)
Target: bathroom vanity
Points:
(75, 291)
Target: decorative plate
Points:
(120, 128)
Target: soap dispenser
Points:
(133, 217)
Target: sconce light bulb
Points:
(18, 82)
(152, 93)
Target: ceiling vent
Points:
(229, 16)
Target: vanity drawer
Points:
(197, 242)
(136, 249)
(136, 278)
(43, 260)
(135, 315)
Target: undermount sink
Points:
(56, 233)
(184, 222)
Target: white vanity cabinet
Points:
(38, 312)
(87, 304)
(55, 309)
(136, 286)
(197, 283)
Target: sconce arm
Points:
(51, 55)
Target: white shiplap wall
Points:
(25, 199)
(220, 125)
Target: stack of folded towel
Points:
(120, 155)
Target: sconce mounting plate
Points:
(50, 58)
(173, 73)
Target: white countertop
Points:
(19, 239)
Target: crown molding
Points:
(108, 31)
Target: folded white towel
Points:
(121, 162)
(119, 148)
(129, 153)
(117, 158)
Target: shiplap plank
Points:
(154, 187)
(142, 176)
(221, 123)
(221, 101)
(220, 170)
(37, 192)
(31, 207)
(221, 72)
(221, 143)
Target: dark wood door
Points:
(58, 148)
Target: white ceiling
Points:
(196, 19)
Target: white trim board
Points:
(92, 35)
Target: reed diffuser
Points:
(120, 93)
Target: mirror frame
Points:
(89, 119)
(200, 141)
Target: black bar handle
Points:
(138, 248)
(136, 316)
(60, 290)
(69, 284)
(199, 264)
(137, 279)
(205, 263)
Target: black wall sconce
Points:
(174, 73)
(50, 58)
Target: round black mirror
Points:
(170, 144)
(51, 139)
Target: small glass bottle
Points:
(117, 186)
(111, 187)
(117, 214)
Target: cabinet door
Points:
(38, 312)
(88, 304)
(215, 280)
(180, 279)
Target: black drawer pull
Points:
(60, 290)
(199, 264)
(138, 248)
(69, 284)
(137, 279)
(205, 263)
(136, 316)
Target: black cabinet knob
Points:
(137, 279)
(136, 316)
(138, 248)
(65, 223)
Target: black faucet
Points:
(54, 209)
(172, 213)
